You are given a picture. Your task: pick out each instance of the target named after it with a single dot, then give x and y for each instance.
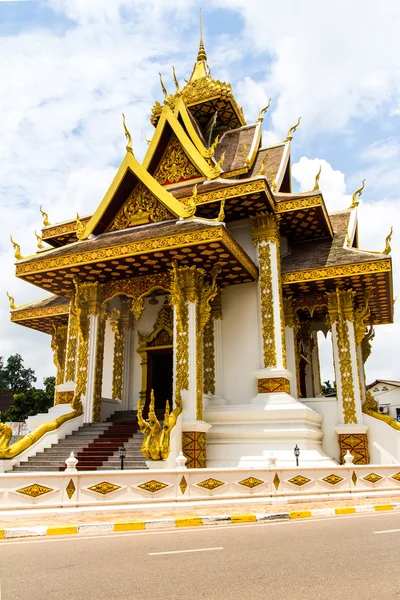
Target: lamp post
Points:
(122, 454)
(297, 454)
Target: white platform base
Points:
(246, 435)
(53, 413)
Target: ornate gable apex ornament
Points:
(189, 146)
(110, 206)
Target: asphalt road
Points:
(341, 557)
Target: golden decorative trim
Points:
(333, 479)
(175, 166)
(104, 488)
(153, 486)
(265, 228)
(70, 489)
(284, 206)
(354, 478)
(35, 490)
(379, 266)
(118, 359)
(39, 313)
(137, 287)
(267, 310)
(199, 363)
(59, 347)
(194, 449)
(299, 480)
(372, 478)
(62, 229)
(357, 445)
(396, 477)
(141, 207)
(156, 444)
(231, 191)
(210, 484)
(273, 385)
(251, 482)
(209, 358)
(208, 235)
(183, 484)
(276, 481)
(72, 342)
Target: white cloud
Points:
(331, 61)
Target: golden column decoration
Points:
(59, 347)
(209, 358)
(352, 434)
(265, 232)
(72, 343)
(82, 319)
(118, 361)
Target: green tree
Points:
(328, 388)
(13, 376)
(31, 402)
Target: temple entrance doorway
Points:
(159, 377)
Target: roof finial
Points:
(202, 53)
(291, 131)
(127, 135)
(356, 196)
(388, 247)
(318, 175)
(12, 301)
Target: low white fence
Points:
(51, 490)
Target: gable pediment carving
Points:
(175, 166)
(140, 208)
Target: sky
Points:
(69, 68)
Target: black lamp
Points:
(122, 454)
(297, 454)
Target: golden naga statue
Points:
(156, 443)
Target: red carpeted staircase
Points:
(102, 448)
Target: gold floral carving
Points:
(357, 445)
(298, 203)
(98, 369)
(276, 481)
(288, 312)
(137, 288)
(372, 478)
(210, 484)
(118, 357)
(209, 358)
(35, 490)
(104, 488)
(65, 229)
(70, 489)
(265, 228)
(341, 313)
(299, 480)
(206, 235)
(232, 191)
(354, 478)
(332, 479)
(379, 266)
(194, 449)
(91, 295)
(310, 303)
(39, 313)
(201, 90)
(273, 385)
(267, 310)
(71, 343)
(153, 486)
(59, 347)
(175, 166)
(251, 482)
(140, 207)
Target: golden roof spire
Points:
(357, 195)
(202, 53)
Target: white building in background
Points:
(387, 396)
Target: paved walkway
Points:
(67, 517)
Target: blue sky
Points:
(69, 68)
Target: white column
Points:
(218, 357)
(315, 364)
(291, 357)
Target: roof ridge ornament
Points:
(12, 301)
(264, 160)
(388, 247)
(318, 175)
(127, 135)
(164, 89)
(17, 249)
(80, 227)
(356, 196)
(45, 216)
(291, 131)
(178, 89)
(39, 240)
(263, 111)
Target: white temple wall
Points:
(383, 442)
(240, 350)
(329, 409)
(241, 231)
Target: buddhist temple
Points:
(192, 298)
